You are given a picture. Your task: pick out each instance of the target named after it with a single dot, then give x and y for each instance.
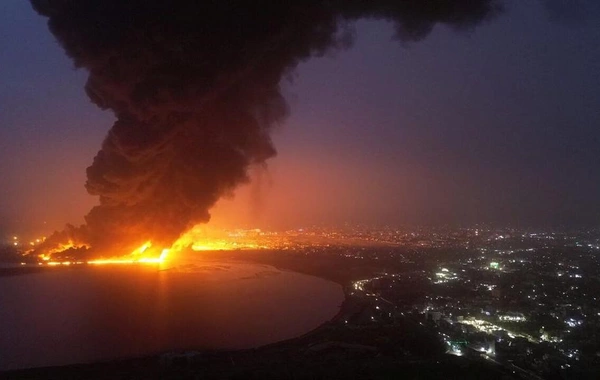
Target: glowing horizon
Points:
(198, 238)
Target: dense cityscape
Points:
(525, 301)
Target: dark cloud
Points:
(195, 88)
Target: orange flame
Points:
(135, 257)
(198, 238)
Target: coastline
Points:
(332, 350)
(22, 270)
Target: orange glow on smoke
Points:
(64, 247)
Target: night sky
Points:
(497, 125)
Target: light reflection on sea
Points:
(89, 314)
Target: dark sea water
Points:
(77, 315)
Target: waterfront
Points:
(75, 315)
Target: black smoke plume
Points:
(195, 88)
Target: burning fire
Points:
(64, 247)
(198, 238)
(140, 255)
(201, 238)
(135, 257)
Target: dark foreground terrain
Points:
(331, 352)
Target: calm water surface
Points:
(99, 313)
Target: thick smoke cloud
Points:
(195, 88)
